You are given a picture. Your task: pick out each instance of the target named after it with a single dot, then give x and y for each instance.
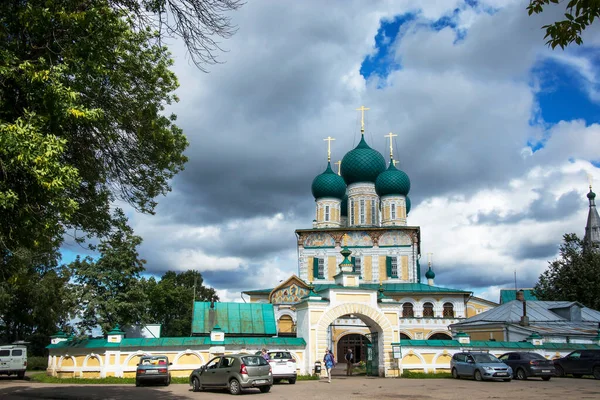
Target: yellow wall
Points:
(386, 212)
(189, 359)
(443, 360)
(331, 267)
(488, 334)
(354, 298)
(315, 316)
(93, 362)
(285, 324)
(309, 263)
(404, 261)
(320, 214)
(68, 362)
(382, 274)
(367, 268)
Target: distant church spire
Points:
(592, 229)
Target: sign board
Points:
(397, 350)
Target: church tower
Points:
(592, 228)
(393, 186)
(328, 189)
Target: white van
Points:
(13, 360)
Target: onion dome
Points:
(430, 274)
(344, 206)
(392, 182)
(407, 205)
(591, 195)
(362, 164)
(328, 184)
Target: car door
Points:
(223, 371)
(469, 368)
(570, 362)
(209, 375)
(461, 364)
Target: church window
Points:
(407, 310)
(351, 212)
(448, 310)
(326, 213)
(321, 268)
(427, 310)
(357, 264)
(391, 267)
(362, 212)
(393, 211)
(373, 214)
(318, 268)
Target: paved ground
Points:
(340, 388)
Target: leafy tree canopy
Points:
(574, 276)
(579, 14)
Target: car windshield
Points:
(485, 358)
(254, 360)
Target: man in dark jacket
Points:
(349, 361)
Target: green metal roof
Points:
(362, 164)
(282, 342)
(234, 318)
(388, 288)
(392, 181)
(328, 184)
(507, 295)
(496, 345)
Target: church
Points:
(360, 286)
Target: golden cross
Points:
(429, 256)
(328, 140)
(391, 135)
(362, 109)
(339, 164)
(395, 162)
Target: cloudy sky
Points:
(498, 133)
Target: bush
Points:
(37, 363)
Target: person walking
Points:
(329, 361)
(349, 361)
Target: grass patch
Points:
(43, 378)
(424, 375)
(308, 378)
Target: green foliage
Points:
(109, 290)
(574, 276)
(180, 289)
(37, 363)
(424, 375)
(308, 377)
(578, 16)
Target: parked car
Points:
(480, 366)
(526, 365)
(579, 363)
(283, 365)
(153, 369)
(233, 372)
(13, 360)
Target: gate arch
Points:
(372, 317)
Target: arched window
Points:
(404, 336)
(448, 310)
(439, 336)
(428, 310)
(407, 310)
(286, 326)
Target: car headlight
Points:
(488, 369)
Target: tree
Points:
(196, 22)
(179, 289)
(574, 276)
(578, 16)
(109, 289)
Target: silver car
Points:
(480, 366)
(233, 372)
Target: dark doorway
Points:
(358, 344)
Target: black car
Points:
(579, 363)
(526, 365)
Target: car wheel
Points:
(577, 375)
(167, 382)
(521, 375)
(546, 378)
(455, 374)
(559, 371)
(292, 381)
(596, 372)
(478, 376)
(196, 384)
(234, 387)
(265, 389)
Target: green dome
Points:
(344, 206)
(430, 274)
(392, 182)
(407, 205)
(328, 184)
(363, 164)
(591, 195)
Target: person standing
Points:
(265, 355)
(329, 361)
(349, 361)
